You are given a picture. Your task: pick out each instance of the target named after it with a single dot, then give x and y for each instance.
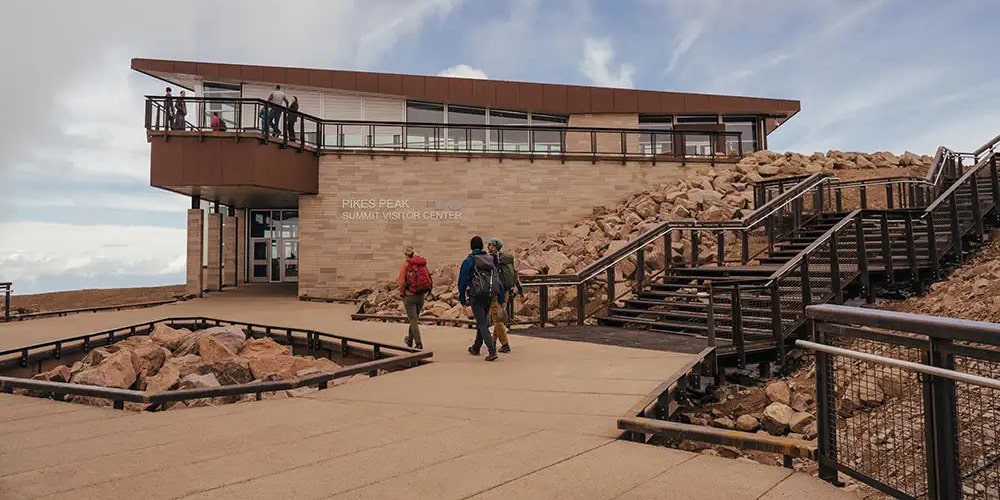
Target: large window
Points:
(467, 138)
(424, 137)
(226, 110)
(747, 127)
(651, 142)
(508, 139)
(464, 128)
(548, 141)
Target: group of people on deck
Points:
(487, 283)
(175, 113)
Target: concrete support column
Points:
(229, 235)
(213, 273)
(195, 245)
(241, 245)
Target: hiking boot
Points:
(492, 357)
(419, 346)
(473, 351)
(408, 340)
(504, 348)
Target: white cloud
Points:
(464, 71)
(684, 41)
(597, 59)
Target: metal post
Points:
(995, 185)
(543, 304)
(945, 429)
(806, 289)
(838, 196)
(640, 267)
(720, 248)
(956, 231)
(932, 247)
(826, 420)
(838, 293)
(887, 248)
(6, 303)
(668, 251)
(864, 197)
(911, 253)
(710, 315)
(694, 248)
(862, 249)
(888, 196)
(581, 302)
(611, 287)
(776, 326)
(770, 235)
(744, 247)
(977, 212)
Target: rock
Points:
(228, 372)
(263, 347)
(151, 357)
(747, 423)
(168, 337)
(778, 392)
(724, 423)
(768, 170)
(696, 446)
(164, 380)
(185, 365)
(60, 373)
(117, 370)
(233, 337)
(810, 431)
(301, 391)
(728, 451)
(96, 356)
(213, 350)
(799, 421)
(286, 366)
(802, 401)
(196, 381)
(776, 418)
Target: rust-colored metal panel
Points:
(529, 97)
(460, 92)
(626, 101)
(185, 68)
(435, 89)
(602, 100)
(344, 80)
(319, 78)
(162, 164)
(507, 97)
(207, 70)
(253, 74)
(413, 87)
(272, 74)
(647, 102)
(671, 104)
(554, 97)
(390, 84)
(297, 76)
(484, 93)
(367, 82)
(230, 71)
(694, 103)
(577, 99)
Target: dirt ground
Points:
(75, 299)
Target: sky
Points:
(77, 211)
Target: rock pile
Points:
(706, 194)
(169, 359)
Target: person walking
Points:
(479, 277)
(504, 262)
(168, 110)
(276, 98)
(291, 117)
(414, 283)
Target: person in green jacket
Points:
(511, 285)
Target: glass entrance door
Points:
(274, 245)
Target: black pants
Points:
(481, 311)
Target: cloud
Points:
(464, 71)
(597, 59)
(684, 41)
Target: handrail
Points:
(664, 228)
(971, 172)
(786, 269)
(987, 147)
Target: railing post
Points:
(640, 267)
(581, 302)
(624, 152)
(777, 329)
(668, 251)
(737, 326)
(995, 185)
(932, 247)
(977, 210)
(862, 248)
(887, 248)
(838, 294)
(720, 248)
(710, 315)
(770, 235)
(610, 274)
(806, 288)
(911, 253)
(149, 114)
(825, 408)
(593, 147)
(863, 193)
(945, 423)
(6, 304)
(888, 196)
(744, 247)
(694, 248)
(543, 304)
(839, 197)
(956, 231)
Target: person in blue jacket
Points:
(480, 305)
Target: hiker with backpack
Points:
(504, 262)
(414, 283)
(478, 285)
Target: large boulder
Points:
(778, 392)
(151, 357)
(168, 376)
(747, 423)
(120, 370)
(228, 372)
(287, 366)
(168, 337)
(60, 373)
(233, 337)
(800, 421)
(268, 347)
(212, 350)
(776, 418)
(186, 364)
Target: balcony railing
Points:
(256, 117)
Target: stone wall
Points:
(437, 205)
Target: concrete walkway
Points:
(540, 423)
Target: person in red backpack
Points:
(414, 283)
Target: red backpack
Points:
(418, 278)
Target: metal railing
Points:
(6, 287)
(311, 339)
(259, 118)
(907, 403)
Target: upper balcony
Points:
(244, 118)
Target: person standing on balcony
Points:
(414, 283)
(504, 262)
(180, 112)
(292, 117)
(479, 277)
(168, 110)
(217, 124)
(277, 98)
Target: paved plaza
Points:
(540, 423)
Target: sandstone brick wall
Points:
(514, 199)
(213, 268)
(229, 251)
(241, 247)
(607, 143)
(195, 223)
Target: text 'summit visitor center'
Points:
(329, 195)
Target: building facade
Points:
(329, 195)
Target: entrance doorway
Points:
(274, 246)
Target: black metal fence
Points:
(908, 404)
(259, 118)
(6, 287)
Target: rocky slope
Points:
(706, 194)
(169, 359)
